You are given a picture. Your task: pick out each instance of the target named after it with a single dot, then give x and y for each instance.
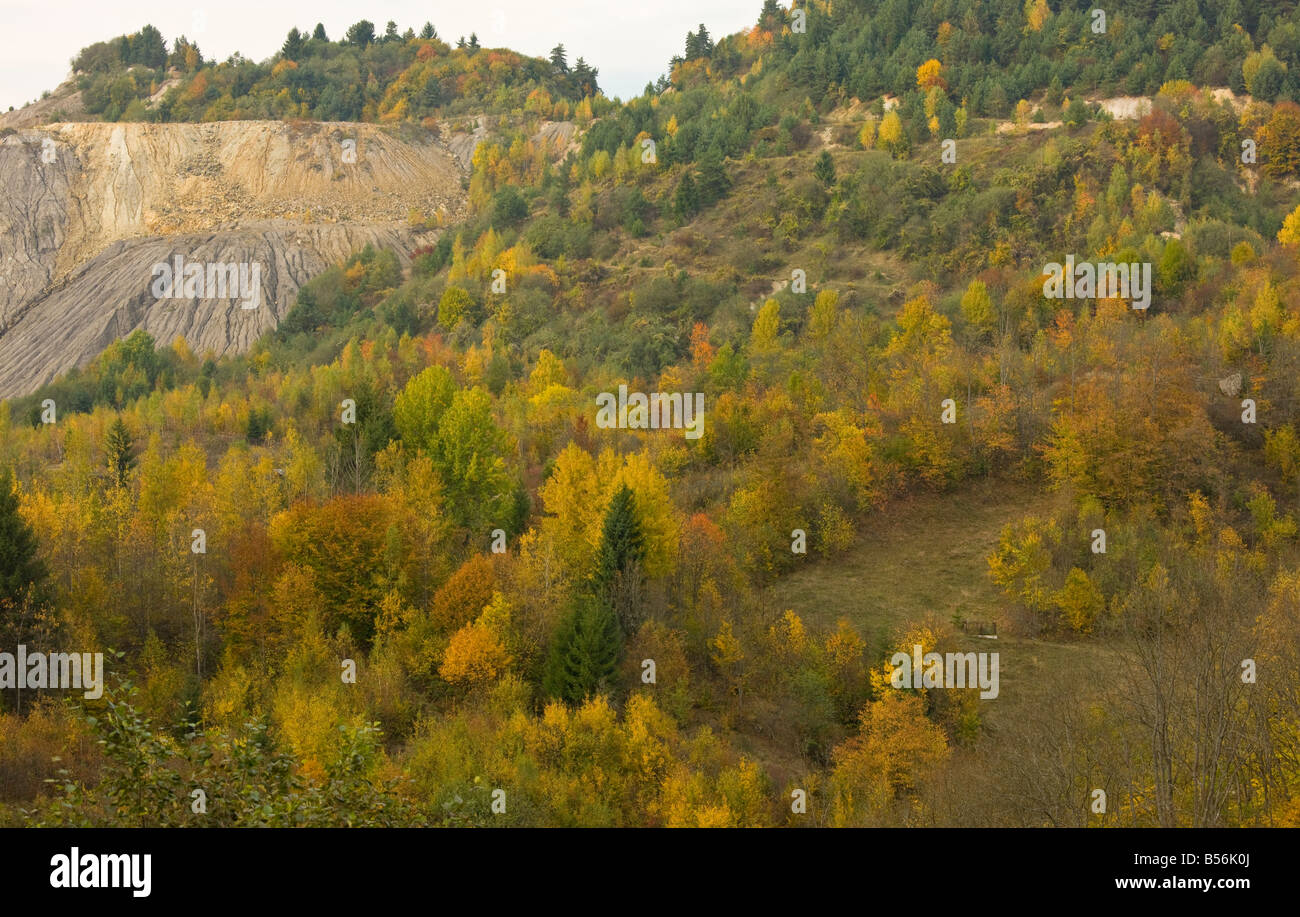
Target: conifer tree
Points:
(824, 169)
(293, 45)
(616, 579)
(20, 568)
(584, 656)
(686, 201)
(118, 446)
(621, 544)
(714, 182)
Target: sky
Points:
(630, 43)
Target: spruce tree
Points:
(25, 615)
(703, 42)
(616, 578)
(293, 45)
(824, 169)
(714, 182)
(585, 653)
(621, 543)
(118, 447)
(558, 59)
(20, 569)
(686, 201)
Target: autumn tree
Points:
(461, 599)
(1279, 141)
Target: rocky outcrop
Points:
(91, 208)
(113, 294)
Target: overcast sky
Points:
(629, 42)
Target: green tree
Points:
(616, 578)
(714, 181)
(360, 34)
(686, 200)
(21, 570)
(420, 406)
(293, 45)
(468, 452)
(453, 305)
(118, 447)
(585, 653)
(824, 170)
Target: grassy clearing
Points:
(925, 559)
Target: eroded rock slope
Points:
(90, 209)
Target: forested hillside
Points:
(393, 567)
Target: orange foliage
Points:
(463, 596)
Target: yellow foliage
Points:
(930, 74)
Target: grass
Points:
(924, 559)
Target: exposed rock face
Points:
(111, 295)
(91, 208)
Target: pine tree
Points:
(558, 60)
(428, 31)
(824, 169)
(621, 542)
(118, 447)
(360, 34)
(293, 45)
(703, 42)
(584, 78)
(584, 656)
(616, 579)
(714, 182)
(20, 569)
(473, 41)
(686, 201)
(318, 34)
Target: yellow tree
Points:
(891, 133)
(930, 74)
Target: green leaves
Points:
(585, 653)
